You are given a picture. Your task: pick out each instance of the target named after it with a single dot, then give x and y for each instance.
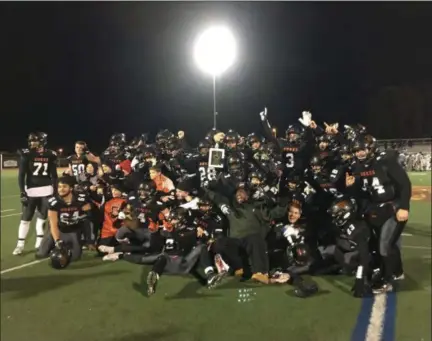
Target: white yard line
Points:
(23, 266)
(407, 234)
(11, 209)
(376, 321)
(10, 196)
(416, 247)
(10, 215)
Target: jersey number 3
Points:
(41, 168)
(289, 160)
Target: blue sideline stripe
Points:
(359, 332)
(390, 318)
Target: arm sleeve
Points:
(268, 133)
(402, 183)
(22, 173)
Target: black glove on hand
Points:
(24, 198)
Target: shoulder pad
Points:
(24, 151)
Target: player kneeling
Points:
(66, 213)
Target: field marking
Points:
(10, 215)
(23, 266)
(376, 320)
(11, 209)
(407, 234)
(10, 196)
(416, 247)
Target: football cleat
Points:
(399, 277)
(112, 256)
(361, 288)
(383, 288)
(152, 279)
(18, 251)
(214, 279)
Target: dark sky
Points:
(80, 70)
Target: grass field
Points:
(91, 300)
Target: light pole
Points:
(215, 51)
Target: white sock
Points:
(359, 274)
(23, 232)
(40, 224)
(208, 269)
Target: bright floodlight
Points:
(215, 50)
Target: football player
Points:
(66, 213)
(79, 161)
(387, 189)
(352, 243)
(37, 178)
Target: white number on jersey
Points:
(69, 219)
(41, 168)
(376, 185)
(169, 244)
(142, 218)
(78, 169)
(207, 174)
(350, 229)
(289, 158)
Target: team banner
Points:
(9, 161)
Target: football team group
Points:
(320, 200)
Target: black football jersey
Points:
(374, 178)
(145, 211)
(180, 241)
(69, 214)
(78, 163)
(38, 166)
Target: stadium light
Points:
(215, 51)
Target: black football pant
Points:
(70, 239)
(39, 203)
(181, 265)
(255, 247)
(389, 247)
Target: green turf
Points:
(93, 301)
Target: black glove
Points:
(361, 288)
(24, 198)
(59, 244)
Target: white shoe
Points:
(106, 249)
(112, 256)
(18, 250)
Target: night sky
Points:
(79, 70)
